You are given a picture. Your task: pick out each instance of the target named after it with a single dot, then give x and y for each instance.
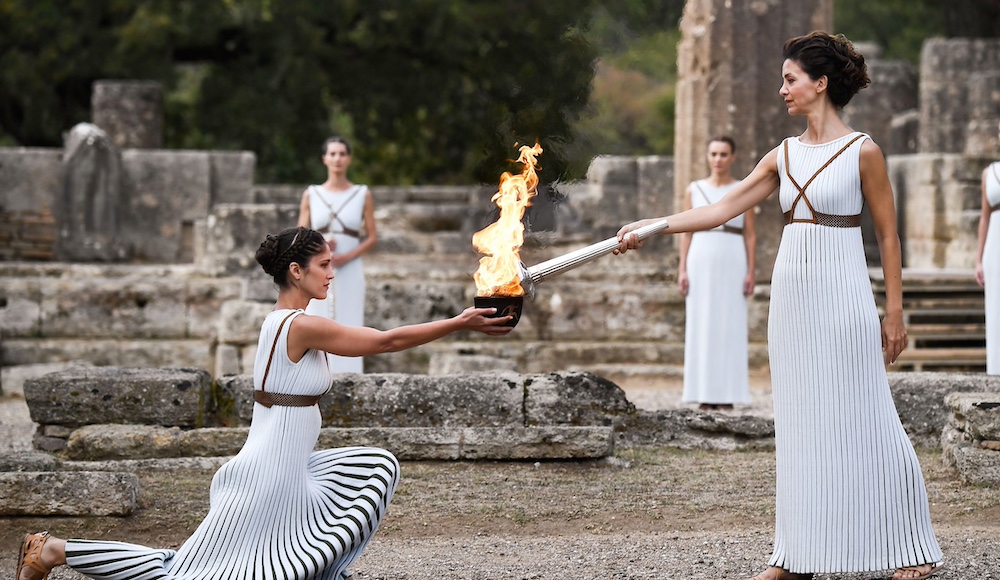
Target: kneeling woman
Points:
(278, 509)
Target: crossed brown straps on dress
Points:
(823, 219)
(724, 227)
(333, 213)
(269, 399)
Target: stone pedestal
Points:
(729, 69)
(130, 112)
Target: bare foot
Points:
(771, 573)
(916, 572)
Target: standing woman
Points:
(988, 262)
(716, 275)
(278, 509)
(850, 494)
(343, 212)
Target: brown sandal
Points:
(31, 555)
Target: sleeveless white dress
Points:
(345, 301)
(850, 494)
(715, 333)
(278, 509)
(991, 271)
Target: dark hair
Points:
(341, 140)
(833, 56)
(724, 139)
(277, 252)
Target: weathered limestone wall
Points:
(130, 111)
(960, 96)
(938, 200)
(729, 69)
(29, 181)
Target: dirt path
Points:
(643, 514)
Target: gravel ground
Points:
(643, 514)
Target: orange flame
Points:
(500, 242)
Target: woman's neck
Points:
(336, 182)
(291, 299)
(823, 126)
(719, 179)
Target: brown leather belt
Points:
(994, 208)
(268, 399)
(732, 230)
(826, 219)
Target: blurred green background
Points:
(427, 91)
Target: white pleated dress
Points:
(345, 301)
(715, 333)
(850, 494)
(278, 510)
(991, 271)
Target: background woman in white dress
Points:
(715, 274)
(988, 262)
(278, 509)
(345, 213)
(850, 493)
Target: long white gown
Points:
(991, 271)
(345, 302)
(715, 334)
(850, 494)
(277, 509)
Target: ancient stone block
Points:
(84, 396)
(28, 461)
(894, 90)
(920, 400)
(974, 464)
(445, 363)
(976, 413)
(121, 307)
(938, 202)
(240, 321)
(109, 352)
(164, 193)
(471, 399)
(234, 232)
(957, 92)
(569, 398)
(30, 178)
(111, 441)
(232, 176)
(227, 360)
(130, 111)
(76, 494)
(88, 209)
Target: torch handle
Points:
(566, 262)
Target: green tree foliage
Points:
(901, 26)
(428, 90)
(631, 108)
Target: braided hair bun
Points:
(833, 56)
(292, 245)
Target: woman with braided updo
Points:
(850, 494)
(278, 509)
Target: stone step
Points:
(116, 442)
(58, 493)
(953, 358)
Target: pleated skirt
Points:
(850, 493)
(277, 510)
(715, 333)
(991, 274)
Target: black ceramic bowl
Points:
(505, 305)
